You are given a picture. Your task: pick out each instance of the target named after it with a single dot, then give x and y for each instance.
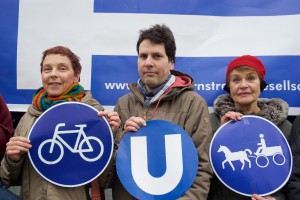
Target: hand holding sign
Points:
(16, 147)
(134, 124)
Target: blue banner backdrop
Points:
(108, 47)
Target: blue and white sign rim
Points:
(216, 169)
(108, 153)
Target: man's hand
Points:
(134, 124)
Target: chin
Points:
(54, 94)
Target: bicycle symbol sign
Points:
(78, 148)
(251, 156)
(71, 144)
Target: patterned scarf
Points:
(153, 95)
(42, 101)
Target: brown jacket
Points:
(34, 186)
(185, 108)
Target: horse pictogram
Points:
(234, 156)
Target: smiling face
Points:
(244, 84)
(57, 74)
(153, 64)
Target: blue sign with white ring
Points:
(251, 156)
(71, 144)
(159, 161)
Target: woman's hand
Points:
(113, 119)
(231, 116)
(16, 147)
(257, 197)
(134, 124)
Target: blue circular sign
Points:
(71, 144)
(159, 161)
(251, 156)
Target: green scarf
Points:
(42, 101)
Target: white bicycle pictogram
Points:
(78, 147)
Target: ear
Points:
(171, 65)
(77, 77)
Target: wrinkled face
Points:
(57, 74)
(153, 64)
(244, 87)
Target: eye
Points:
(62, 68)
(251, 78)
(46, 69)
(143, 56)
(235, 79)
(157, 56)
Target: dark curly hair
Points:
(159, 34)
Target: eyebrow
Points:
(47, 64)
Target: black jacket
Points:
(293, 186)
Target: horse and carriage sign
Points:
(251, 156)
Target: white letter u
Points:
(174, 165)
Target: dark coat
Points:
(293, 185)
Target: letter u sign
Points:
(141, 156)
(174, 165)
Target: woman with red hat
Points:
(244, 83)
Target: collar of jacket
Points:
(274, 110)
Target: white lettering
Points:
(174, 165)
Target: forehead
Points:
(56, 58)
(243, 70)
(147, 46)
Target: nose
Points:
(244, 83)
(149, 62)
(53, 73)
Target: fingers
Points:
(257, 197)
(103, 113)
(134, 124)
(17, 146)
(113, 119)
(231, 116)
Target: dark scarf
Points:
(42, 101)
(274, 110)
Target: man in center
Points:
(166, 94)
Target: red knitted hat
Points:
(247, 60)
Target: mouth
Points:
(243, 94)
(149, 73)
(54, 84)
